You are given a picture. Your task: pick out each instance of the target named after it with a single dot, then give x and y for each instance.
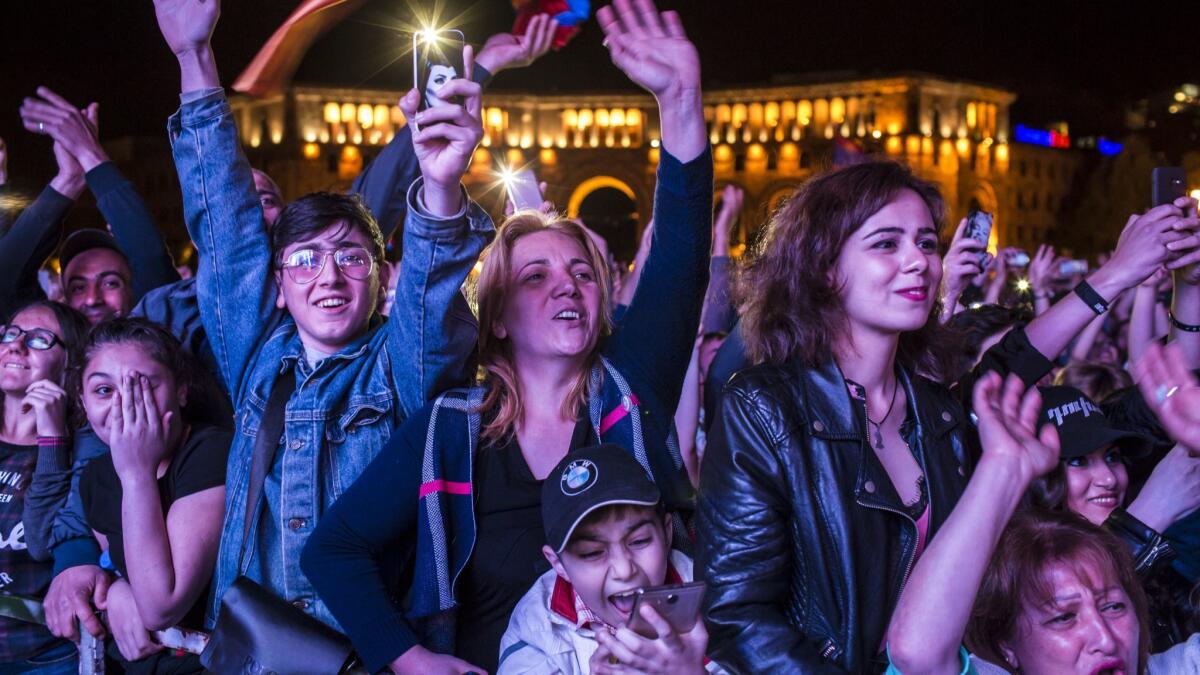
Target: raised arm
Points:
(1142, 248)
(444, 233)
(35, 233)
(224, 217)
(961, 264)
(132, 225)
(1185, 308)
(1141, 318)
(719, 314)
(929, 621)
(652, 49)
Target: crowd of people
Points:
(879, 447)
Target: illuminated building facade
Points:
(766, 139)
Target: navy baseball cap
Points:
(589, 479)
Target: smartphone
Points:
(1069, 268)
(1167, 183)
(523, 191)
(979, 228)
(1018, 259)
(678, 605)
(437, 59)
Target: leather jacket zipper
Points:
(829, 649)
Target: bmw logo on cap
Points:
(579, 475)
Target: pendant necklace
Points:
(879, 425)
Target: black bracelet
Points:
(1093, 299)
(1186, 327)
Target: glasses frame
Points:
(325, 255)
(24, 335)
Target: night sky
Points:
(1078, 61)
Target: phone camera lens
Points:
(672, 599)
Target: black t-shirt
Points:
(197, 466)
(507, 558)
(20, 574)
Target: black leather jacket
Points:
(803, 540)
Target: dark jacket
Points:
(803, 541)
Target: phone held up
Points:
(1167, 183)
(522, 188)
(678, 605)
(979, 228)
(437, 59)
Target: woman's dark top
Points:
(508, 552)
(198, 465)
(508, 555)
(20, 574)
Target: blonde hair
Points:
(491, 293)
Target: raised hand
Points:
(505, 50)
(1172, 392)
(1171, 492)
(48, 401)
(187, 25)
(1041, 270)
(1008, 426)
(74, 131)
(732, 198)
(3, 162)
(959, 266)
(445, 137)
(650, 47)
(1144, 246)
(138, 434)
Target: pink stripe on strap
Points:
(618, 413)
(448, 486)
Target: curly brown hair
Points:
(787, 290)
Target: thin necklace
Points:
(879, 425)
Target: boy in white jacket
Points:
(608, 535)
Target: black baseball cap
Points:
(85, 240)
(589, 479)
(1082, 426)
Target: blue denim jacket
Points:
(344, 408)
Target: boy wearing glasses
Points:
(355, 375)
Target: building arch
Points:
(591, 185)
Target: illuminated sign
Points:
(1044, 138)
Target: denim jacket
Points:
(344, 408)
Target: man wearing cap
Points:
(607, 535)
(96, 276)
(1092, 480)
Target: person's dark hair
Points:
(606, 514)
(787, 291)
(1016, 576)
(972, 327)
(163, 347)
(1097, 379)
(316, 212)
(73, 330)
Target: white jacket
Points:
(542, 640)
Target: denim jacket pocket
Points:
(356, 436)
(250, 417)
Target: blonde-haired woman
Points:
(460, 481)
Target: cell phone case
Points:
(678, 604)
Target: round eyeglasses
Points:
(306, 264)
(39, 339)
